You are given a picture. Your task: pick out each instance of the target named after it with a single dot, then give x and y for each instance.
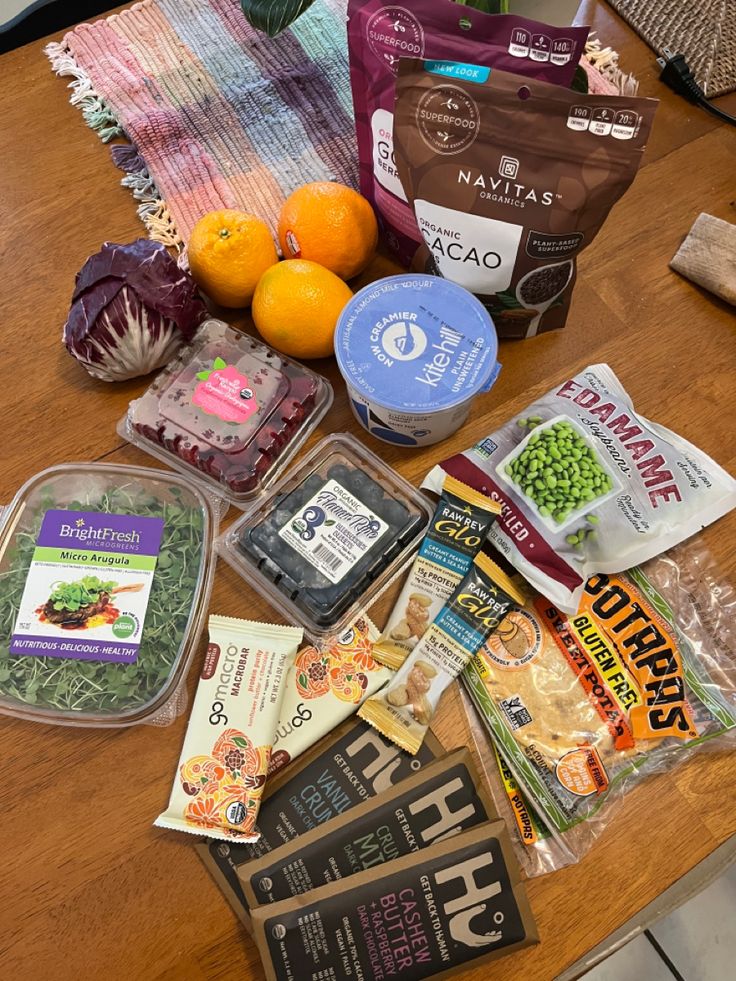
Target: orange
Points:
(330, 224)
(296, 306)
(228, 253)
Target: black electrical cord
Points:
(677, 75)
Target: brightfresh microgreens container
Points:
(414, 351)
(329, 536)
(105, 576)
(228, 410)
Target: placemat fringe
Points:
(152, 209)
(605, 61)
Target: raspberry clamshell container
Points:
(329, 536)
(228, 410)
(105, 578)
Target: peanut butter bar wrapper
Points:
(227, 748)
(327, 684)
(455, 536)
(403, 709)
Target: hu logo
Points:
(464, 911)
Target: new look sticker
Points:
(87, 589)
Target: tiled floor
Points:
(699, 940)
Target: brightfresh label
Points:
(88, 586)
(333, 531)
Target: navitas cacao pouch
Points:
(379, 34)
(510, 180)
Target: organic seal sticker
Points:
(393, 33)
(448, 119)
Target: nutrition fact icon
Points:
(540, 47)
(622, 124)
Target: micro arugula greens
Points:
(73, 596)
(96, 686)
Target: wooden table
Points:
(89, 888)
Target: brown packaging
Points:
(510, 179)
(423, 915)
(440, 800)
(351, 764)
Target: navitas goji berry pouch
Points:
(510, 179)
(380, 33)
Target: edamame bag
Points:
(589, 486)
(381, 33)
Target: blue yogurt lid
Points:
(416, 343)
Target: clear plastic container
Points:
(329, 536)
(105, 576)
(230, 410)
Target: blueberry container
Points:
(325, 540)
(228, 410)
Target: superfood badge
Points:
(448, 119)
(393, 33)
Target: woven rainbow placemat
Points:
(216, 114)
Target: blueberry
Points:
(372, 495)
(339, 472)
(396, 514)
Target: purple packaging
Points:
(380, 33)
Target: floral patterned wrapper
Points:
(326, 684)
(227, 748)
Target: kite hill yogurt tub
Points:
(414, 351)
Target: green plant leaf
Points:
(203, 375)
(580, 81)
(218, 364)
(487, 6)
(330, 521)
(506, 300)
(272, 16)
(239, 741)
